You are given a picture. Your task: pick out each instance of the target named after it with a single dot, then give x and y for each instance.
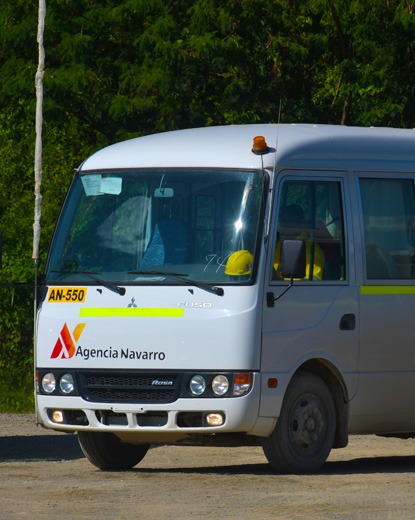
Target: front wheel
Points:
(106, 451)
(305, 430)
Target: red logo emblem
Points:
(65, 346)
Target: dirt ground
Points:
(43, 474)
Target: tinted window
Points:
(312, 211)
(388, 220)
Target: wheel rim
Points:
(307, 424)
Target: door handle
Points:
(347, 322)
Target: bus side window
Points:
(312, 211)
(388, 222)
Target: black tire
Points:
(306, 427)
(106, 451)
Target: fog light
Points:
(49, 383)
(57, 416)
(67, 384)
(214, 419)
(197, 385)
(220, 385)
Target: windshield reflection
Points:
(202, 225)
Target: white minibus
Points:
(235, 285)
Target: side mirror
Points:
(293, 258)
(293, 263)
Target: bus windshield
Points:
(159, 226)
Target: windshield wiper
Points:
(183, 278)
(108, 285)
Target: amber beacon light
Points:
(259, 146)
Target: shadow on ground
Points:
(65, 447)
(39, 447)
(364, 465)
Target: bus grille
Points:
(131, 387)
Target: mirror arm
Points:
(270, 295)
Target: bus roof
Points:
(304, 146)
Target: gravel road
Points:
(43, 474)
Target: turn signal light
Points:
(242, 383)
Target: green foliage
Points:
(120, 69)
(16, 353)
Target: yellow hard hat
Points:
(239, 263)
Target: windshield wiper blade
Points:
(183, 278)
(108, 285)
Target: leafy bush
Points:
(16, 348)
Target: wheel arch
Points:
(335, 383)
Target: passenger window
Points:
(312, 211)
(388, 221)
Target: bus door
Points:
(317, 318)
(387, 303)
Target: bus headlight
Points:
(67, 384)
(220, 385)
(197, 385)
(49, 383)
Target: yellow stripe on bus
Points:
(135, 312)
(387, 289)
